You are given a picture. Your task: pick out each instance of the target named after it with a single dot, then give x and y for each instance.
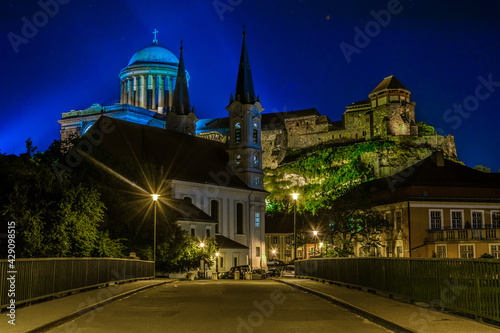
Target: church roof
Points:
(390, 82)
(182, 156)
(244, 84)
(154, 54)
(180, 102)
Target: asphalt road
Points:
(221, 306)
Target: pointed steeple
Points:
(180, 101)
(244, 84)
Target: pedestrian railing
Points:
(467, 286)
(33, 279)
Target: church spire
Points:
(180, 101)
(244, 84)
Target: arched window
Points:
(214, 213)
(255, 133)
(239, 218)
(237, 133)
(256, 160)
(188, 199)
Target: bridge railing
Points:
(468, 286)
(45, 277)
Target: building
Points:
(216, 187)
(438, 208)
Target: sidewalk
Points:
(29, 318)
(410, 318)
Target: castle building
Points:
(217, 187)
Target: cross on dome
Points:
(155, 41)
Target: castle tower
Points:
(244, 140)
(181, 117)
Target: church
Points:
(217, 187)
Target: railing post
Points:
(477, 290)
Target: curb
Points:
(352, 308)
(74, 315)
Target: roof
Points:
(390, 82)
(180, 101)
(182, 156)
(244, 83)
(188, 211)
(226, 243)
(427, 180)
(154, 54)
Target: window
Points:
(275, 240)
(239, 218)
(495, 219)
(477, 220)
(466, 251)
(367, 119)
(237, 133)
(255, 133)
(256, 180)
(440, 251)
(193, 232)
(257, 251)
(288, 252)
(364, 133)
(214, 213)
(399, 251)
(389, 249)
(257, 220)
(435, 220)
(456, 220)
(221, 261)
(495, 250)
(299, 253)
(256, 160)
(235, 261)
(208, 232)
(287, 240)
(398, 220)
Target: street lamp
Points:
(315, 233)
(155, 200)
(202, 245)
(274, 254)
(295, 196)
(217, 264)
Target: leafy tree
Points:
(482, 168)
(349, 219)
(425, 130)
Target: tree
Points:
(349, 219)
(425, 130)
(482, 168)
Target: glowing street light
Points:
(155, 200)
(315, 233)
(295, 196)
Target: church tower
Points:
(244, 139)
(181, 117)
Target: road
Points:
(221, 306)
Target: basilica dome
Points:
(154, 54)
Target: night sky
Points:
(445, 52)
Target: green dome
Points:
(154, 54)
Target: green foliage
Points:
(486, 256)
(318, 174)
(425, 130)
(482, 168)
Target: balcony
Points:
(449, 235)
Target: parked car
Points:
(230, 274)
(275, 262)
(273, 272)
(258, 272)
(288, 271)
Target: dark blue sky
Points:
(445, 52)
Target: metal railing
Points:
(468, 286)
(45, 277)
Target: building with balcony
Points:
(438, 208)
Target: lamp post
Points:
(295, 197)
(202, 245)
(155, 200)
(315, 233)
(217, 264)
